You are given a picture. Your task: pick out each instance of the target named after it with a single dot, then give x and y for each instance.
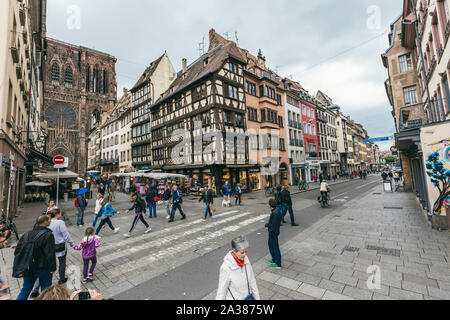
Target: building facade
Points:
(155, 80)
(79, 86)
(22, 138)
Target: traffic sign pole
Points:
(57, 189)
(11, 182)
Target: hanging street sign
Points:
(378, 139)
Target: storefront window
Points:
(255, 179)
(243, 179)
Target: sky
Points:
(330, 45)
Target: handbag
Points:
(60, 247)
(250, 295)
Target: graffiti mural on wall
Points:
(438, 166)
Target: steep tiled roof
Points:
(148, 72)
(199, 68)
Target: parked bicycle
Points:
(303, 185)
(269, 191)
(9, 225)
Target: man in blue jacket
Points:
(177, 200)
(274, 231)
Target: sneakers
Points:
(91, 276)
(275, 266)
(116, 230)
(270, 261)
(127, 235)
(184, 218)
(294, 225)
(148, 230)
(84, 281)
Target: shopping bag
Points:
(213, 208)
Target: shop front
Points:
(298, 173)
(312, 168)
(255, 179)
(284, 174)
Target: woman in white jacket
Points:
(237, 280)
(98, 207)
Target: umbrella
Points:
(82, 191)
(38, 184)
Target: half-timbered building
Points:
(198, 126)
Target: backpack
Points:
(76, 203)
(180, 197)
(24, 257)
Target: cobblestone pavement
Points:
(329, 260)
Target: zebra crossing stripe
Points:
(179, 248)
(168, 239)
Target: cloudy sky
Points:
(331, 45)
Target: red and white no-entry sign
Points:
(59, 160)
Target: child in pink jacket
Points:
(89, 254)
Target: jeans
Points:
(176, 206)
(102, 223)
(80, 221)
(238, 199)
(61, 271)
(283, 209)
(152, 209)
(95, 220)
(274, 249)
(45, 280)
(208, 210)
(86, 266)
(288, 208)
(167, 203)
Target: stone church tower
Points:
(79, 86)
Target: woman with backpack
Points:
(150, 196)
(107, 213)
(139, 208)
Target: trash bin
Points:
(66, 197)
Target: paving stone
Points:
(287, 273)
(288, 283)
(357, 293)
(377, 296)
(438, 293)
(264, 293)
(404, 295)
(269, 277)
(307, 278)
(279, 289)
(444, 285)
(368, 257)
(331, 285)
(312, 291)
(299, 296)
(298, 267)
(341, 278)
(343, 270)
(280, 297)
(329, 295)
(384, 290)
(412, 286)
(420, 280)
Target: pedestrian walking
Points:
(51, 206)
(315, 178)
(150, 196)
(81, 204)
(102, 189)
(177, 200)
(139, 208)
(62, 237)
(208, 199)
(320, 177)
(274, 231)
(88, 245)
(287, 203)
(237, 194)
(106, 213)
(35, 257)
(98, 208)
(278, 199)
(226, 190)
(237, 279)
(166, 198)
(113, 189)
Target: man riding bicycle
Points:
(324, 189)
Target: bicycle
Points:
(303, 185)
(10, 226)
(269, 191)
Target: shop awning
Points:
(39, 155)
(38, 184)
(66, 174)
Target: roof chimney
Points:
(125, 91)
(184, 63)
